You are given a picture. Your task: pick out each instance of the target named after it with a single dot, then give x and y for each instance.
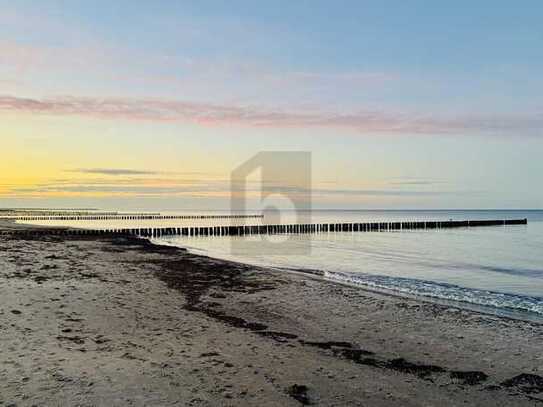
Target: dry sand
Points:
(118, 321)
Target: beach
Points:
(271, 204)
(106, 321)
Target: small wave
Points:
(514, 271)
(442, 291)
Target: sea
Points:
(492, 269)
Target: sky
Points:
(153, 105)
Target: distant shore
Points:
(120, 321)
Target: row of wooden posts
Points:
(272, 229)
(129, 217)
(10, 214)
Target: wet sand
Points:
(119, 321)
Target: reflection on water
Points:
(501, 267)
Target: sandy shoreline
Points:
(119, 321)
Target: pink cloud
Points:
(159, 110)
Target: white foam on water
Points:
(449, 292)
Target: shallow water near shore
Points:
(500, 268)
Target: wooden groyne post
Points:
(116, 216)
(242, 230)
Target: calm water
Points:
(497, 268)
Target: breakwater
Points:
(115, 216)
(241, 230)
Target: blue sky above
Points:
(447, 94)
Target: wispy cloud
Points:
(112, 171)
(170, 187)
(159, 110)
(410, 183)
(378, 192)
(413, 181)
(197, 78)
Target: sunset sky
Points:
(151, 105)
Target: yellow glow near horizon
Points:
(38, 149)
